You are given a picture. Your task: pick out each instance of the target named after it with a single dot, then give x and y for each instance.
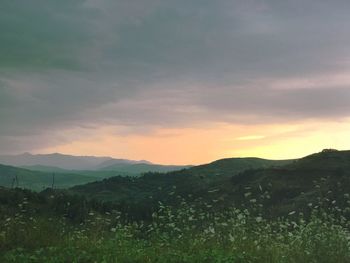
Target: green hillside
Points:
(156, 187)
(281, 185)
(98, 174)
(44, 168)
(37, 180)
(232, 166)
(140, 168)
(38, 177)
(125, 169)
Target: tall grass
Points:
(190, 232)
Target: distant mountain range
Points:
(61, 163)
(36, 171)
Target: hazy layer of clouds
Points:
(162, 63)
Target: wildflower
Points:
(231, 238)
(240, 216)
(211, 230)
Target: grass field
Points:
(191, 232)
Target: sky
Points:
(175, 82)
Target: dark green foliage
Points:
(282, 186)
(39, 180)
(140, 168)
(191, 232)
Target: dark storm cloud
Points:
(149, 63)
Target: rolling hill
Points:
(140, 168)
(280, 186)
(17, 177)
(114, 170)
(186, 181)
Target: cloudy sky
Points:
(185, 81)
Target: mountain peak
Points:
(63, 161)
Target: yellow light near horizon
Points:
(210, 142)
(250, 137)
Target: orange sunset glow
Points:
(203, 145)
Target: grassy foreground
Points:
(188, 233)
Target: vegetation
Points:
(39, 177)
(140, 168)
(36, 229)
(298, 211)
(280, 188)
(125, 169)
(35, 180)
